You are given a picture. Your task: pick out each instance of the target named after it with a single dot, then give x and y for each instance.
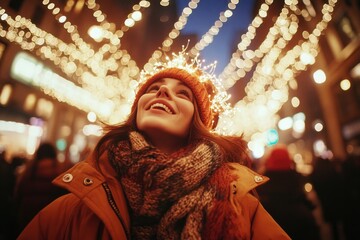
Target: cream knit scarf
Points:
(166, 194)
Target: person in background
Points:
(34, 189)
(329, 183)
(351, 173)
(7, 208)
(163, 173)
(284, 196)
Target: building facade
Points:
(30, 114)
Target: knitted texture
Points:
(203, 92)
(167, 194)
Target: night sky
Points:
(205, 15)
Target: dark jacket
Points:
(35, 189)
(285, 199)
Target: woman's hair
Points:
(233, 148)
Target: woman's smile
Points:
(162, 106)
(166, 108)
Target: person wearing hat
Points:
(284, 196)
(162, 174)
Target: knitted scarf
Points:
(166, 193)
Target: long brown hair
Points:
(233, 147)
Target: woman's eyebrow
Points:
(157, 81)
(180, 83)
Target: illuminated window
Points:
(5, 94)
(44, 108)
(25, 68)
(29, 102)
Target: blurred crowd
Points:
(328, 210)
(322, 205)
(26, 187)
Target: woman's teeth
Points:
(162, 106)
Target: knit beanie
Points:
(203, 91)
(279, 160)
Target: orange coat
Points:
(35, 190)
(96, 207)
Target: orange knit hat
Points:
(202, 91)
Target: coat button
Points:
(67, 177)
(88, 181)
(258, 179)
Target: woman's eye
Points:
(185, 94)
(152, 88)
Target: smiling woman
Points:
(163, 173)
(165, 112)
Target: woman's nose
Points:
(163, 92)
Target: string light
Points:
(110, 73)
(208, 37)
(174, 33)
(267, 90)
(193, 65)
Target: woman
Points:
(163, 174)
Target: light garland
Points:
(174, 33)
(236, 68)
(110, 73)
(267, 90)
(194, 65)
(214, 30)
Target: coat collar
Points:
(246, 179)
(87, 181)
(87, 175)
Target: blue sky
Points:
(204, 16)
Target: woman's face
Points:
(166, 106)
